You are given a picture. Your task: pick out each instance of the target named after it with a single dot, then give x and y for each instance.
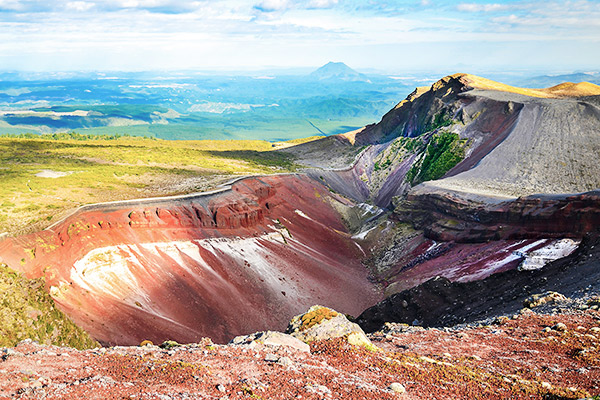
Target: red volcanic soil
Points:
(465, 241)
(516, 358)
(459, 262)
(215, 265)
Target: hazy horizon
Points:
(268, 72)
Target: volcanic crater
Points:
(463, 180)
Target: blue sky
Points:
(390, 36)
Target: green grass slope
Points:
(43, 177)
(28, 312)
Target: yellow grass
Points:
(567, 89)
(294, 142)
(351, 136)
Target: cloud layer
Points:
(169, 34)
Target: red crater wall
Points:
(210, 265)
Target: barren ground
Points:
(516, 357)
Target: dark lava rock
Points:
(439, 302)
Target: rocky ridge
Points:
(476, 138)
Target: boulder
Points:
(537, 300)
(321, 323)
(169, 344)
(272, 338)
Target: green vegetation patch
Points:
(28, 312)
(397, 152)
(440, 120)
(443, 152)
(70, 136)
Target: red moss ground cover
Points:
(515, 358)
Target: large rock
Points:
(537, 300)
(271, 338)
(321, 323)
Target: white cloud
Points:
(139, 3)
(572, 19)
(321, 3)
(273, 5)
(474, 7)
(172, 34)
(9, 5)
(284, 5)
(542, 23)
(79, 6)
(37, 6)
(24, 5)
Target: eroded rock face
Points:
(220, 265)
(447, 216)
(464, 240)
(458, 262)
(442, 302)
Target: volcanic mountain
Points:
(464, 180)
(337, 71)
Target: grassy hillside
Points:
(28, 312)
(43, 178)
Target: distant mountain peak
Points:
(337, 65)
(337, 71)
